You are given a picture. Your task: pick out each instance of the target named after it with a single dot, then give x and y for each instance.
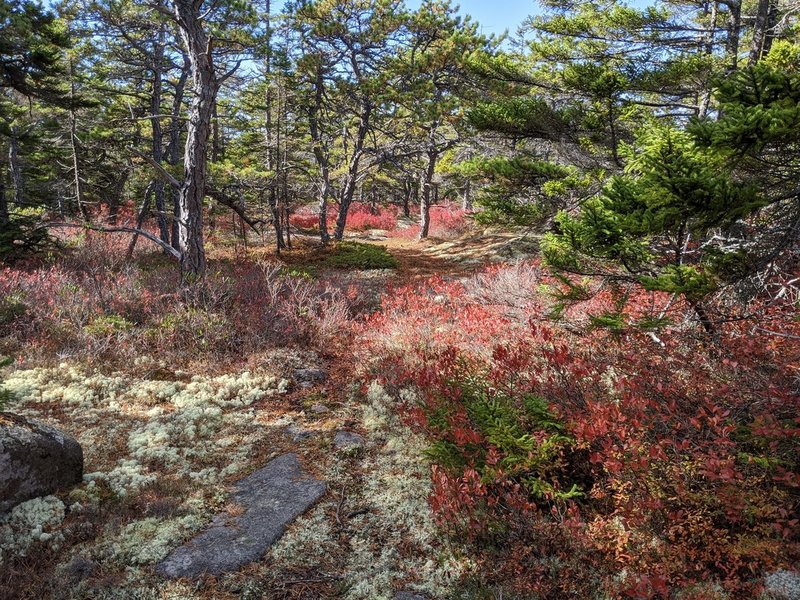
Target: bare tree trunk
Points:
(466, 198)
(352, 169)
(734, 32)
(408, 190)
(75, 146)
(272, 151)
(173, 149)
(320, 156)
(143, 210)
(205, 87)
(5, 219)
(704, 101)
(115, 199)
(772, 22)
(155, 122)
(759, 31)
(15, 168)
(425, 202)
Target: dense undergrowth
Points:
(570, 455)
(90, 304)
(584, 463)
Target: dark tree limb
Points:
(169, 249)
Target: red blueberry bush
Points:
(580, 461)
(91, 303)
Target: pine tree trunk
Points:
(320, 156)
(759, 31)
(155, 123)
(5, 219)
(75, 146)
(192, 192)
(466, 199)
(425, 202)
(408, 190)
(352, 169)
(734, 33)
(173, 149)
(15, 168)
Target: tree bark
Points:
(75, 146)
(320, 155)
(425, 201)
(155, 122)
(759, 31)
(408, 190)
(15, 168)
(205, 87)
(5, 219)
(466, 199)
(734, 33)
(173, 148)
(351, 182)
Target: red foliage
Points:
(686, 455)
(361, 217)
(446, 221)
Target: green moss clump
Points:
(355, 255)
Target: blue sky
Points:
(495, 15)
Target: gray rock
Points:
(347, 440)
(309, 377)
(81, 567)
(35, 460)
(298, 434)
(408, 596)
(271, 498)
(319, 409)
(783, 585)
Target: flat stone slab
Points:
(272, 497)
(310, 377)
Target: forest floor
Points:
(163, 445)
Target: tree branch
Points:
(140, 232)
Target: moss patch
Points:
(355, 255)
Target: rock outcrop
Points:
(35, 460)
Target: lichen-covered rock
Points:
(408, 596)
(782, 585)
(309, 377)
(348, 440)
(35, 460)
(270, 499)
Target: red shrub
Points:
(684, 462)
(446, 222)
(363, 217)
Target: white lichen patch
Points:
(147, 541)
(397, 487)
(308, 544)
(392, 538)
(142, 439)
(33, 521)
(168, 427)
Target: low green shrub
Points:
(355, 255)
